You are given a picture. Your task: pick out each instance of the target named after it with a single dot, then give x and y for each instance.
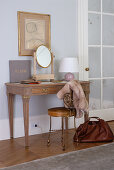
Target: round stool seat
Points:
(61, 112)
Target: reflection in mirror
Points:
(43, 56)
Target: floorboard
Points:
(13, 152)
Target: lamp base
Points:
(69, 76)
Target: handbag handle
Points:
(94, 118)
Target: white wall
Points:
(63, 43)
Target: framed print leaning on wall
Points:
(33, 30)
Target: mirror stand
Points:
(36, 76)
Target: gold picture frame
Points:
(33, 30)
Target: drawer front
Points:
(46, 90)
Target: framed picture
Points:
(33, 30)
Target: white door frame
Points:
(83, 38)
(106, 114)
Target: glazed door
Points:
(101, 57)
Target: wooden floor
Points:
(13, 152)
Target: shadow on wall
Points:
(3, 102)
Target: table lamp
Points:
(69, 66)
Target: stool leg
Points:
(62, 129)
(63, 135)
(48, 142)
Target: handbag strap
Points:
(94, 118)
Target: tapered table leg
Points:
(26, 118)
(10, 110)
(86, 117)
(66, 123)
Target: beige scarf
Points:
(79, 99)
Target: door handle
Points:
(87, 69)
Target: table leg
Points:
(10, 110)
(66, 123)
(26, 118)
(86, 117)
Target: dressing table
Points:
(28, 90)
(43, 58)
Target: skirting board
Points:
(106, 114)
(42, 122)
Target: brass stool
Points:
(63, 113)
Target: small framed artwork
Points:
(33, 30)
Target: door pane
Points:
(108, 6)
(94, 62)
(95, 94)
(108, 30)
(94, 28)
(108, 62)
(94, 5)
(108, 93)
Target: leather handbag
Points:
(94, 131)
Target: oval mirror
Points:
(43, 56)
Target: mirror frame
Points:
(37, 76)
(50, 56)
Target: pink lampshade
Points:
(69, 66)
